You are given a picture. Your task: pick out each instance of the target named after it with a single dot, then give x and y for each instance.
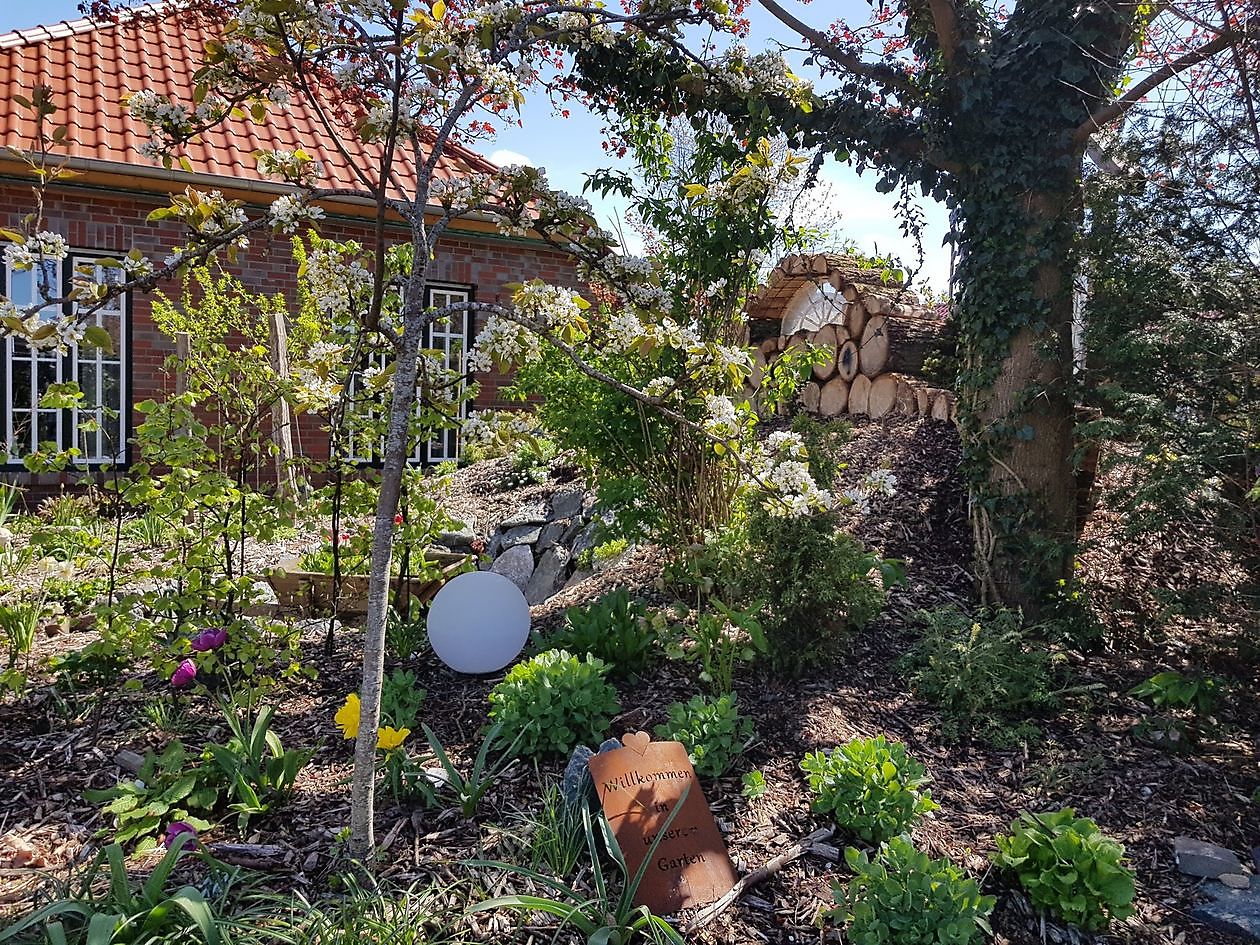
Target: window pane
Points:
(21, 375)
(111, 384)
(47, 420)
(46, 375)
(87, 382)
(20, 445)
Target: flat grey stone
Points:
(520, 535)
(542, 584)
(1199, 858)
(577, 786)
(462, 537)
(1236, 880)
(552, 534)
(567, 504)
(533, 514)
(515, 564)
(1236, 911)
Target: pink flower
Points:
(177, 828)
(210, 639)
(184, 676)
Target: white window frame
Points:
(453, 345)
(68, 366)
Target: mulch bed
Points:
(1086, 758)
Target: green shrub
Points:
(870, 786)
(718, 641)
(401, 699)
(981, 673)
(556, 701)
(1068, 867)
(1172, 690)
(813, 579)
(614, 628)
(713, 731)
(902, 897)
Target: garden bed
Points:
(54, 749)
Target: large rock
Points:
(547, 575)
(515, 564)
(567, 504)
(533, 514)
(1236, 911)
(520, 535)
(585, 540)
(1199, 858)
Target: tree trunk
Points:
(1018, 430)
(397, 440)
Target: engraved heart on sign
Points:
(637, 741)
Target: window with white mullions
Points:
(448, 338)
(28, 372)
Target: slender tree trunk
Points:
(397, 439)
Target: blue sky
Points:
(569, 148)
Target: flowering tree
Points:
(410, 78)
(989, 107)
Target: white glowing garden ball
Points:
(478, 622)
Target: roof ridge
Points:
(43, 33)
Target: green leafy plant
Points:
(814, 580)
(406, 634)
(1068, 867)
(713, 731)
(615, 628)
(903, 897)
(982, 673)
(169, 787)
(470, 789)
(608, 916)
(753, 784)
(106, 912)
(718, 641)
(401, 699)
(555, 701)
(870, 786)
(1172, 690)
(259, 771)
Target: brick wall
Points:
(110, 222)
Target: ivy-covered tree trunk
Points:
(1015, 317)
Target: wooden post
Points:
(281, 429)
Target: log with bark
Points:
(826, 339)
(847, 360)
(810, 395)
(859, 395)
(834, 398)
(882, 399)
(898, 343)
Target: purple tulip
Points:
(210, 639)
(184, 676)
(176, 828)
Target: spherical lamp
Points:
(478, 622)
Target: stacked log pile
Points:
(874, 346)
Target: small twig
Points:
(759, 875)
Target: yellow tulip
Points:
(347, 716)
(388, 738)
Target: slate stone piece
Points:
(520, 535)
(1199, 858)
(515, 564)
(552, 534)
(567, 504)
(532, 514)
(1236, 911)
(577, 786)
(542, 584)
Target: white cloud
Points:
(506, 158)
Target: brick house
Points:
(102, 212)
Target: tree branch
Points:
(823, 44)
(1117, 108)
(948, 34)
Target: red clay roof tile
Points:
(90, 67)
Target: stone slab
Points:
(567, 504)
(1200, 858)
(542, 584)
(515, 564)
(533, 514)
(1236, 911)
(520, 535)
